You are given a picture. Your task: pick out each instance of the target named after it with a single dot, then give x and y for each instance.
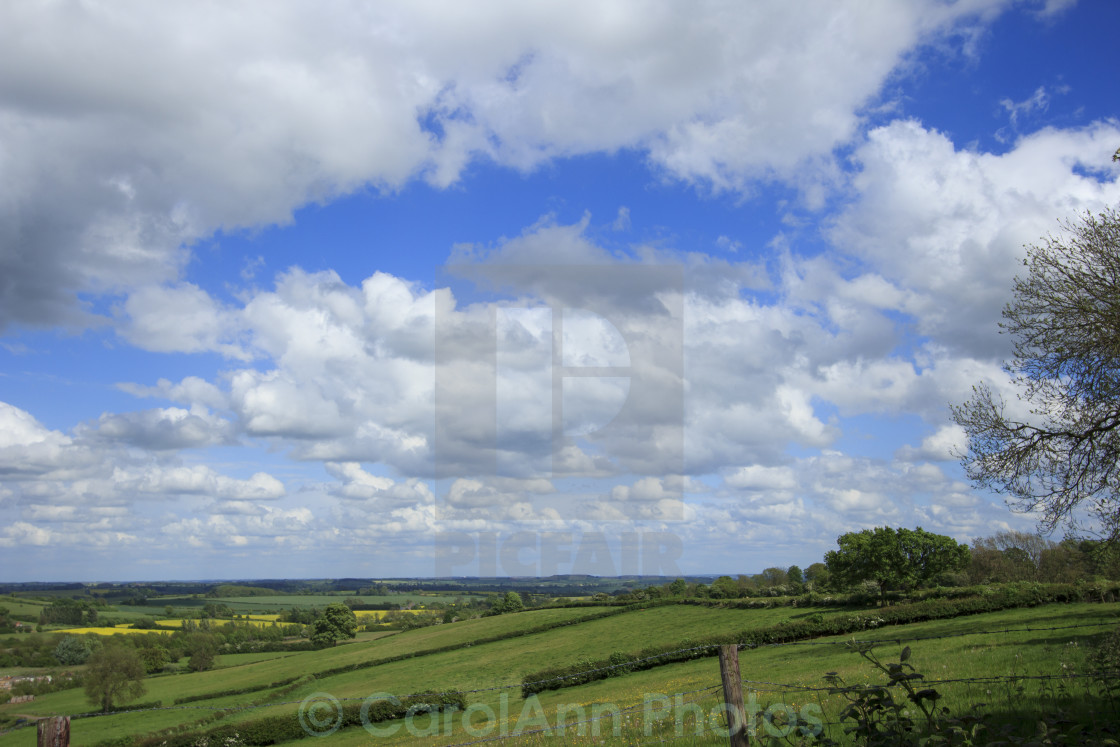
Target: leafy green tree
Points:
(202, 651)
(817, 575)
(773, 577)
(337, 621)
(893, 557)
(155, 658)
(1058, 454)
(678, 587)
(114, 674)
(794, 574)
(725, 587)
(510, 602)
(72, 651)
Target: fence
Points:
(864, 708)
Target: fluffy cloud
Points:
(161, 124)
(181, 318)
(168, 428)
(945, 226)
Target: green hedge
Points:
(994, 599)
(123, 707)
(237, 691)
(287, 727)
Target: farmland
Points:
(488, 657)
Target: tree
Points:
(816, 575)
(893, 557)
(1059, 453)
(202, 651)
(510, 602)
(114, 674)
(337, 621)
(725, 587)
(774, 576)
(794, 574)
(155, 658)
(1009, 556)
(72, 651)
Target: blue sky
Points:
(279, 285)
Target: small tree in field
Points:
(338, 621)
(114, 674)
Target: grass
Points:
(289, 601)
(379, 645)
(644, 696)
(108, 631)
(970, 653)
(23, 609)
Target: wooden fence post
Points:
(733, 694)
(54, 731)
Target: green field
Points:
(964, 647)
(25, 609)
(288, 601)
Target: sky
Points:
(302, 290)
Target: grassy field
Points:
(25, 609)
(963, 648)
(287, 601)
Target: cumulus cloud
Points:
(181, 319)
(357, 484)
(169, 428)
(161, 125)
(940, 446)
(946, 226)
(164, 125)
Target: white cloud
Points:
(181, 319)
(162, 124)
(163, 429)
(947, 226)
(940, 446)
(758, 477)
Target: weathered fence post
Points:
(733, 695)
(54, 731)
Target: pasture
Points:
(1018, 644)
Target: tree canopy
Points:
(893, 557)
(337, 621)
(1058, 453)
(114, 674)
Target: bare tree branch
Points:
(1065, 318)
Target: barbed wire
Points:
(994, 679)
